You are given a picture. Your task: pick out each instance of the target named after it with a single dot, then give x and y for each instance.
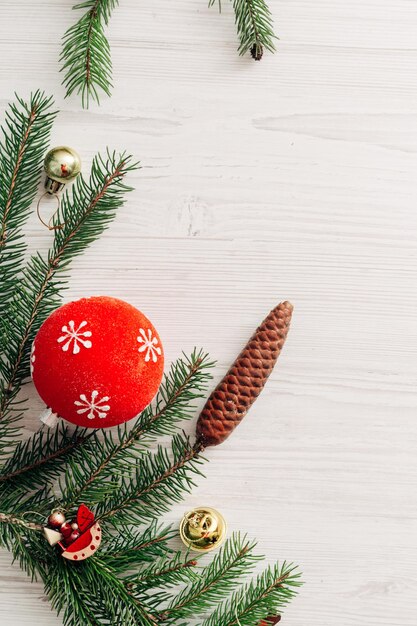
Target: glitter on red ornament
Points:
(99, 362)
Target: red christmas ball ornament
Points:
(97, 362)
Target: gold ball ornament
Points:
(203, 529)
(62, 164)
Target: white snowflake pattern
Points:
(32, 359)
(95, 408)
(150, 344)
(75, 336)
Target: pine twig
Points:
(16, 521)
(86, 52)
(217, 580)
(254, 26)
(132, 548)
(159, 481)
(170, 569)
(44, 448)
(254, 602)
(170, 572)
(25, 138)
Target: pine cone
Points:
(233, 397)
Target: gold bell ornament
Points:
(203, 529)
(62, 165)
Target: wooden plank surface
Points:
(293, 178)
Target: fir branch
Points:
(65, 587)
(120, 603)
(85, 213)
(26, 543)
(16, 521)
(84, 467)
(217, 580)
(131, 547)
(165, 572)
(86, 52)
(25, 137)
(151, 586)
(254, 26)
(18, 500)
(266, 595)
(91, 594)
(160, 480)
(35, 465)
(39, 459)
(25, 546)
(96, 474)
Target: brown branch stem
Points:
(21, 151)
(6, 518)
(92, 15)
(252, 17)
(168, 570)
(142, 546)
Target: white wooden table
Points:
(290, 178)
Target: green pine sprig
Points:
(85, 56)
(91, 594)
(157, 481)
(24, 139)
(133, 547)
(254, 26)
(38, 461)
(165, 572)
(216, 581)
(28, 476)
(267, 594)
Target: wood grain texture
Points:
(293, 178)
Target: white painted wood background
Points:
(290, 178)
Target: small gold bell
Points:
(203, 529)
(62, 164)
